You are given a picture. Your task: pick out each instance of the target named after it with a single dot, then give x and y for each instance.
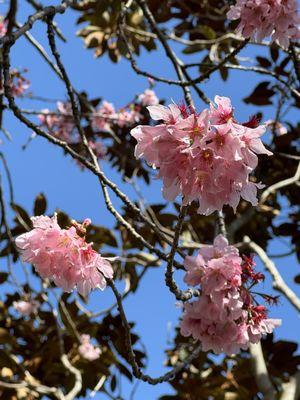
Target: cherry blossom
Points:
(225, 317)
(148, 98)
(60, 123)
(276, 126)
(263, 18)
(87, 350)
(63, 255)
(103, 117)
(18, 83)
(206, 156)
(26, 307)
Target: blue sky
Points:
(43, 168)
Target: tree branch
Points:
(261, 374)
(278, 282)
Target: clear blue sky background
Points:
(43, 168)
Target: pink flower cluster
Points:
(60, 123)
(18, 83)
(225, 318)
(26, 307)
(63, 255)
(262, 18)
(276, 126)
(87, 350)
(148, 98)
(106, 116)
(206, 156)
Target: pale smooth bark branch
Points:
(220, 223)
(246, 217)
(261, 374)
(291, 389)
(30, 382)
(278, 185)
(41, 389)
(77, 378)
(290, 156)
(278, 282)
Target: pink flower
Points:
(98, 149)
(205, 157)
(169, 115)
(148, 98)
(225, 317)
(60, 123)
(104, 116)
(276, 126)
(219, 249)
(26, 307)
(87, 350)
(63, 256)
(223, 112)
(262, 18)
(127, 117)
(18, 83)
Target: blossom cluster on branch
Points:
(63, 255)
(87, 350)
(25, 307)
(104, 118)
(18, 84)
(263, 18)
(204, 156)
(227, 316)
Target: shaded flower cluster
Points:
(26, 308)
(63, 255)
(278, 19)
(106, 116)
(226, 317)
(18, 83)
(206, 156)
(87, 350)
(148, 98)
(60, 123)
